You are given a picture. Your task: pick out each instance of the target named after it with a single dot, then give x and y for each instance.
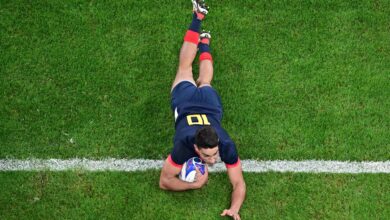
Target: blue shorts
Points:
(185, 91)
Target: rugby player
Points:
(198, 113)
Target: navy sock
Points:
(203, 48)
(195, 24)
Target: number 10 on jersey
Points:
(197, 119)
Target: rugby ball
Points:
(188, 171)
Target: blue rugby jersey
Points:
(192, 115)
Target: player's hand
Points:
(200, 179)
(233, 214)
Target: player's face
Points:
(208, 155)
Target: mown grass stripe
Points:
(112, 164)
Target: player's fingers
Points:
(197, 174)
(224, 212)
(199, 177)
(227, 212)
(197, 169)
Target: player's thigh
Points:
(183, 92)
(210, 96)
(183, 75)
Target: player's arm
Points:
(170, 181)
(239, 191)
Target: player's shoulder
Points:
(183, 149)
(228, 152)
(223, 134)
(185, 133)
(226, 145)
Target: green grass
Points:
(298, 80)
(80, 195)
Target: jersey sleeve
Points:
(229, 155)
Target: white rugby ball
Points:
(188, 171)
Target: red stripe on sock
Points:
(200, 16)
(192, 36)
(205, 56)
(205, 41)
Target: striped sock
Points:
(192, 34)
(204, 50)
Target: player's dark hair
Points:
(206, 137)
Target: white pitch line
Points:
(112, 164)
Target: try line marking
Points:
(129, 165)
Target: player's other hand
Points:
(201, 180)
(228, 212)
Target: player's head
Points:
(206, 144)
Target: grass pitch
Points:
(114, 195)
(92, 79)
(298, 80)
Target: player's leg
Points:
(205, 61)
(190, 44)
